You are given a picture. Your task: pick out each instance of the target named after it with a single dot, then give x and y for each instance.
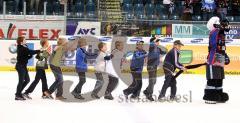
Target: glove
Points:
(227, 59)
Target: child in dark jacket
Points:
(81, 66)
(41, 66)
(23, 54)
(136, 68)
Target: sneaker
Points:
(93, 95)
(60, 98)
(146, 93)
(26, 96)
(174, 98)
(161, 99)
(148, 96)
(134, 97)
(125, 94)
(77, 96)
(19, 98)
(47, 95)
(108, 96)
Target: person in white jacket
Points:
(100, 67)
(113, 69)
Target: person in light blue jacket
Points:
(81, 66)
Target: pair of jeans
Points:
(152, 73)
(171, 82)
(99, 83)
(136, 86)
(113, 81)
(23, 78)
(58, 84)
(40, 75)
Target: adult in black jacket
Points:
(171, 62)
(23, 54)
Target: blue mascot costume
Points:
(216, 60)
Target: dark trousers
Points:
(152, 73)
(169, 82)
(113, 81)
(82, 80)
(135, 87)
(58, 84)
(40, 75)
(99, 83)
(23, 78)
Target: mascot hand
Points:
(227, 59)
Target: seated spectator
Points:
(235, 8)
(208, 8)
(196, 5)
(187, 12)
(168, 7)
(221, 8)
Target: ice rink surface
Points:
(191, 109)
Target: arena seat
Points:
(230, 18)
(163, 17)
(49, 9)
(128, 8)
(150, 11)
(79, 10)
(91, 9)
(70, 10)
(139, 11)
(10, 7)
(159, 10)
(127, 1)
(237, 18)
(80, 1)
(1, 7)
(137, 2)
(147, 1)
(175, 16)
(57, 10)
(196, 18)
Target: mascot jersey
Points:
(216, 49)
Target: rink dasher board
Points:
(199, 50)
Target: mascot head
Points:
(215, 22)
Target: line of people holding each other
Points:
(44, 55)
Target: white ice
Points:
(104, 111)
